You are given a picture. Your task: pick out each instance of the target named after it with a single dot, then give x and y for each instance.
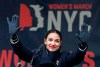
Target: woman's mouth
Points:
(52, 46)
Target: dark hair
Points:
(53, 31)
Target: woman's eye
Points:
(57, 41)
(50, 40)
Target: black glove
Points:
(13, 26)
(83, 45)
(83, 36)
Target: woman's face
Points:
(53, 42)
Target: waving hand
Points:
(13, 25)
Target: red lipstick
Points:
(52, 46)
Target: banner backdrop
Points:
(36, 17)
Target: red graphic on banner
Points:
(89, 59)
(25, 17)
(5, 58)
(8, 59)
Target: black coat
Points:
(62, 59)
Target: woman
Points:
(50, 54)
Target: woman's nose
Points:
(53, 43)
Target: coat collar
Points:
(45, 58)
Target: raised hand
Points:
(13, 25)
(84, 34)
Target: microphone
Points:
(37, 53)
